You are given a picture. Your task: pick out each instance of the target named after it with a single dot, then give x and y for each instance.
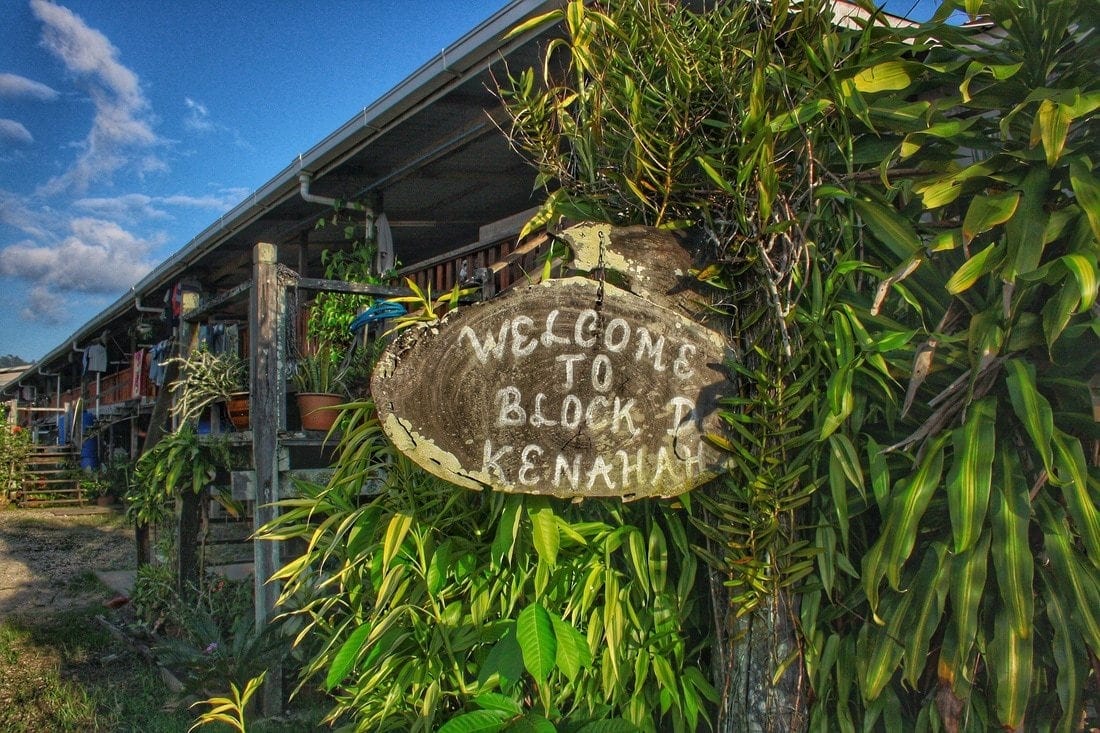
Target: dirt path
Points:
(47, 558)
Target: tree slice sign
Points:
(551, 389)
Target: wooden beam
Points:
(210, 307)
(339, 286)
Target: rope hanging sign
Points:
(570, 387)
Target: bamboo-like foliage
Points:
(650, 112)
(429, 603)
(905, 227)
(960, 565)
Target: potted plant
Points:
(321, 387)
(95, 487)
(207, 378)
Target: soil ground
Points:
(47, 557)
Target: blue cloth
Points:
(380, 311)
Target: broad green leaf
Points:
(1051, 125)
(496, 701)
(545, 534)
(477, 721)
(658, 559)
(1024, 240)
(929, 590)
(968, 575)
(505, 660)
(943, 189)
(970, 476)
(1058, 311)
(1069, 659)
(799, 116)
(1078, 585)
(1084, 272)
(345, 657)
(887, 76)
(396, 531)
(1031, 408)
(1087, 189)
(889, 227)
(1012, 560)
(572, 652)
(986, 212)
(1073, 476)
(879, 648)
(507, 528)
(1010, 666)
(610, 726)
(537, 643)
(908, 506)
(980, 264)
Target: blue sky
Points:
(126, 127)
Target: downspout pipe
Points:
(304, 181)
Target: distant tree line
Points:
(11, 360)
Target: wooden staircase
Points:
(51, 478)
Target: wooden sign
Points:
(545, 390)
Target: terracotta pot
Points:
(238, 407)
(315, 416)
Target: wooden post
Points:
(265, 321)
(189, 504)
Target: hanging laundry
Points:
(95, 358)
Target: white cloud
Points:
(122, 132)
(223, 201)
(98, 256)
(14, 133)
(138, 206)
(198, 117)
(44, 306)
(130, 207)
(15, 213)
(13, 86)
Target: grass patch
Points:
(65, 673)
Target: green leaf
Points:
(1087, 189)
(1051, 125)
(613, 725)
(1031, 408)
(346, 656)
(505, 660)
(1073, 476)
(928, 591)
(1084, 271)
(978, 265)
(572, 653)
(968, 575)
(1069, 659)
(545, 534)
(1012, 560)
(396, 531)
(537, 643)
(986, 212)
(908, 506)
(478, 721)
(970, 476)
(887, 76)
(1024, 241)
(496, 701)
(889, 227)
(1010, 666)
